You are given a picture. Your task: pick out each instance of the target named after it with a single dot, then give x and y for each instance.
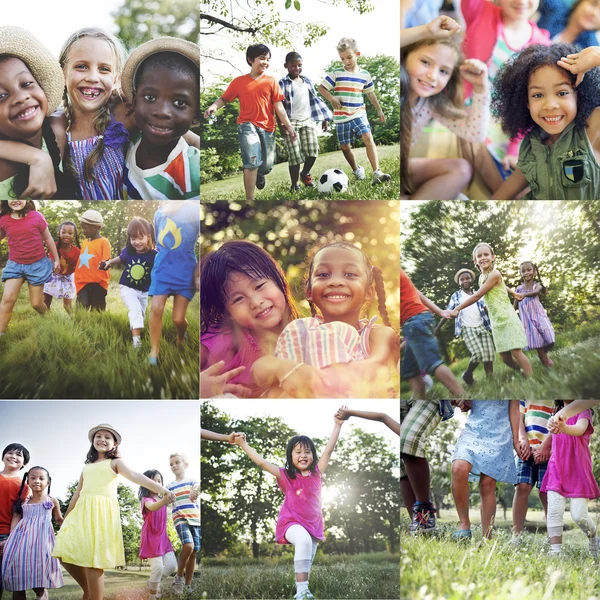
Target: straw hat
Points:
(103, 427)
(461, 271)
(91, 217)
(141, 53)
(18, 42)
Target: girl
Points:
(507, 329)
(28, 562)
(538, 329)
(538, 94)
(154, 541)
(138, 259)
(571, 23)
(27, 231)
(300, 520)
(90, 539)
(340, 281)
(569, 410)
(493, 424)
(570, 475)
(246, 303)
(62, 285)
(406, 187)
(431, 56)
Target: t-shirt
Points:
(154, 540)
(349, 88)
(537, 413)
(9, 492)
(138, 268)
(184, 510)
(257, 99)
(301, 105)
(410, 303)
(25, 244)
(87, 271)
(68, 259)
(471, 317)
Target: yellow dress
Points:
(91, 534)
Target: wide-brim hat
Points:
(461, 271)
(142, 52)
(104, 427)
(91, 217)
(18, 42)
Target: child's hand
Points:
(464, 405)
(452, 314)
(325, 125)
(475, 72)
(518, 296)
(524, 449)
(509, 162)
(42, 183)
(381, 117)
(289, 130)
(215, 383)
(104, 265)
(337, 105)
(56, 267)
(337, 418)
(210, 111)
(541, 454)
(231, 437)
(581, 62)
(239, 438)
(442, 27)
(195, 493)
(342, 414)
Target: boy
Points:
(91, 283)
(186, 518)
(344, 88)
(162, 77)
(473, 325)
(260, 97)
(304, 109)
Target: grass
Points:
(90, 354)
(278, 181)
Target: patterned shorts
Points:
(61, 286)
(479, 342)
(418, 418)
(306, 143)
(348, 130)
(530, 473)
(189, 534)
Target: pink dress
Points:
(154, 540)
(570, 472)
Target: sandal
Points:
(462, 534)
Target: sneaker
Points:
(462, 534)
(516, 540)
(295, 188)
(467, 378)
(423, 518)
(359, 173)
(554, 553)
(307, 179)
(593, 546)
(303, 595)
(379, 176)
(178, 585)
(261, 181)
(189, 588)
(153, 361)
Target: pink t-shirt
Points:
(25, 245)
(302, 505)
(154, 540)
(570, 470)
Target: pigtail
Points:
(380, 291)
(539, 277)
(558, 404)
(406, 186)
(100, 123)
(17, 506)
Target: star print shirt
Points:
(137, 269)
(87, 271)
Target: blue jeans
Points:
(37, 273)
(257, 147)
(422, 350)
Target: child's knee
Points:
(460, 469)
(179, 321)
(345, 147)
(523, 489)
(461, 168)
(487, 485)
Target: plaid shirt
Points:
(319, 111)
(455, 301)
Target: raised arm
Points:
(568, 411)
(333, 438)
(121, 468)
(345, 413)
(205, 434)
(440, 28)
(255, 457)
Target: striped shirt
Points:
(537, 413)
(349, 88)
(184, 510)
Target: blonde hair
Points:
(181, 455)
(347, 43)
(491, 250)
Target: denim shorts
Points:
(257, 147)
(530, 473)
(422, 351)
(37, 273)
(189, 534)
(348, 130)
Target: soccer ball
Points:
(333, 180)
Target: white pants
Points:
(579, 514)
(305, 547)
(161, 566)
(136, 302)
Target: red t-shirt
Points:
(257, 98)
(9, 492)
(410, 303)
(25, 244)
(68, 259)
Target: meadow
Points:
(89, 355)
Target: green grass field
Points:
(90, 354)
(278, 181)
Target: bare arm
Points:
(525, 449)
(515, 421)
(107, 264)
(333, 438)
(575, 430)
(512, 187)
(152, 506)
(255, 457)
(441, 27)
(75, 496)
(56, 512)
(16, 517)
(192, 139)
(383, 344)
(434, 308)
(120, 467)
(570, 410)
(375, 102)
(330, 97)
(214, 107)
(283, 119)
(536, 291)
(42, 183)
(493, 279)
(205, 434)
(344, 414)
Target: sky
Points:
(55, 433)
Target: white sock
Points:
(555, 548)
(137, 341)
(301, 586)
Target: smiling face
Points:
(37, 479)
(13, 460)
(141, 243)
(527, 271)
(484, 258)
(586, 15)
(294, 67)
(518, 10)
(67, 234)
(552, 100)
(465, 281)
(104, 441)
(17, 205)
(429, 70)
(302, 457)
(260, 64)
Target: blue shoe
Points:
(462, 534)
(153, 361)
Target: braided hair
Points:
(537, 274)
(76, 242)
(18, 504)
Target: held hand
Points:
(581, 62)
(337, 105)
(524, 450)
(381, 117)
(56, 267)
(325, 125)
(231, 437)
(239, 439)
(210, 111)
(454, 313)
(518, 296)
(464, 405)
(475, 72)
(42, 183)
(342, 414)
(509, 162)
(442, 27)
(337, 418)
(541, 454)
(104, 265)
(446, 314)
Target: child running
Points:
(138, 259)
(155, 545)
(90, 539)
(300, 520)
(27, 232)
(538, 328)
(507, 329)
(28, 563)
(570, 475)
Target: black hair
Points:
(406, 186)
(18, 503)
(537, 274)
(558, 404)
(136, 228)
(18, 447)
(303, 440)
(5, 208)
(510, 97)
(291, 56)
(92, 455)
(144, 492)
(256, 50)
(76, 241)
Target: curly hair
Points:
(510, 96)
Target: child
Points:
(154, 541)
(538, 328)
(493, 424)
(473, 325)
(432, 58)
(138, 260)
(558, 110)
(507, 329)
(355, 353)
(27, 232)
(567, 411)
(304, 109)
(162, 79)
(345, 414)
(300, 520)
(422, 349)
(175, 272)
(239, 282)
(344, 88)
(571, 22)
(85, 550)
(62, 285)
(406, 187)
(205, 434)
(27, 562)
(186, 518)
(570, 475)
(259, 97)
(91, 282)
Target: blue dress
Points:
(487, 442)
